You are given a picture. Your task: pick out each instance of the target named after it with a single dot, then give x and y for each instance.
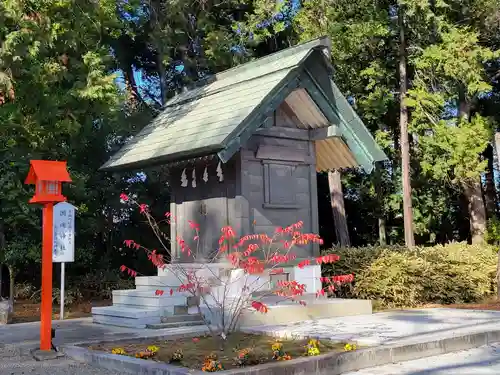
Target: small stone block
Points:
(5, 312)
(46, 355)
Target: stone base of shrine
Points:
(291, 312)
(144, 307)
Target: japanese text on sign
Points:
(63, 250)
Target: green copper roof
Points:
(221, 115)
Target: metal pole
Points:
(61, 311)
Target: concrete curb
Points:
(327, 364)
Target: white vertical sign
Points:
(63, 248)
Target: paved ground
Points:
(411, 326)
(395, 327)
(16, 360)
(17, 341)
(480, 361)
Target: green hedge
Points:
(398, 277)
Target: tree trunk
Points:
(472, 189)
(477, 211)
(2, 249)
(163, 77)
(498, 275)
(156, 11)
(490, 194)
(382, 232)
(338, 208)
(405, 144)
(497, 148)
(11, 291)
(378, 184)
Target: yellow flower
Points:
(119, 351)
(313, 343)
(349, 347)
(153, 348)
(313, 351)
(277, 346)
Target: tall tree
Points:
(451, 77)
(59, 101)
(404, 137)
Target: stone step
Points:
(127, 312)
(175, 324)
(157, 282)
(181, 318)
(148, 299)
(122, 316)
(192, 310)
(150, 293)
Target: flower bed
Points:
(204, 353)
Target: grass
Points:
(195, 350)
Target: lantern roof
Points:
(47, 170)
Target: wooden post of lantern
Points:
(47, 177)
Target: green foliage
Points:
(24, 291)
(493, 231)
(100, 284)
(71, 296)
(78, 78)
(451, 153)
(397, 277)
(97, 285)
(451, 74)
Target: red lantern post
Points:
(47, 177)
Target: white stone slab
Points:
(126, 312)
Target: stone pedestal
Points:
(236, 279)
(6, 310)
(142, 306)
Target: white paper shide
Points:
(63, 250)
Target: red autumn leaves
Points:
(129, 271)
(333, 281)
(241, 253)
(260, 307)
(160, 292)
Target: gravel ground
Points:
(16, 360)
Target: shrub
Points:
(398, 277)
(100, 284)
(71, 296)
(23, 291)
